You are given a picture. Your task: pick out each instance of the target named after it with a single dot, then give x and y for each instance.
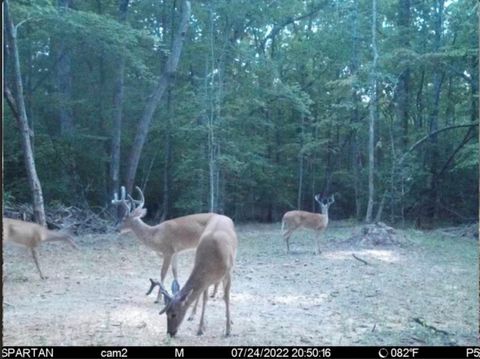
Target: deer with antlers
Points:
(167, 238)
(31, 235)
(318, 222)
(214, 261)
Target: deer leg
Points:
(286, 236)
(72, 243)
(34, 255)
(64, 238)
(194, 310)
(226, 296)
(174, 268)
(317, 238)
(166, 263)
(201, 327)
(215, 289)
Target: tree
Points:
(17, 103)
(118, 99)
(157, 94)
(373, 116)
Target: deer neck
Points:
(143, 232)
(196, 286)
(324, 209)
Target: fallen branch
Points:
(431, 327)
(360, 259)
(419, 340)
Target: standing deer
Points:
(214, 261)
(167, 238)
(315, 221)
(31, 235)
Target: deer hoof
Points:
(190, 318)
(200, 332)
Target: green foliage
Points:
(278, 93)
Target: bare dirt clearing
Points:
(97, 296)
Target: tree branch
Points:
(290, 20)
(468, 136)
(423, 139)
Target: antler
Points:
(168, 298)
(122, 201)
(331, 199)
(140, 203)
(153, 284)
(317, 198)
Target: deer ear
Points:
(175, 286)
(139, 212)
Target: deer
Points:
(214, 260)
(317, 222)
(167, 238)
(31, 235)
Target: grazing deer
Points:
(167, 238)
(30, 235)
(315, 221)
(214, 261)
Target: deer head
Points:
(175, 305)
(130, 209)
(324, 203)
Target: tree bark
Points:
(419, 101)
(355, 112)
(301, 163)
(401, 96)
(33, 180)
(167, 160)
(64, 81)
(438, 77)
(118, 97)
(373, 115)
(157, 94)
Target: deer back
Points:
(23, 233)
(185, 232)
(305, 219)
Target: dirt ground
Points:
(425, 293)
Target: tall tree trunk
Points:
(438, 77)
(22, 119)
(64, 81)
(373, 115)
(213, 92)
(118, 96)
(301, 163)
(355, 112)
(419, 102)
(401, 96)
(167, 159)
(474, 68)
(157, 94)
